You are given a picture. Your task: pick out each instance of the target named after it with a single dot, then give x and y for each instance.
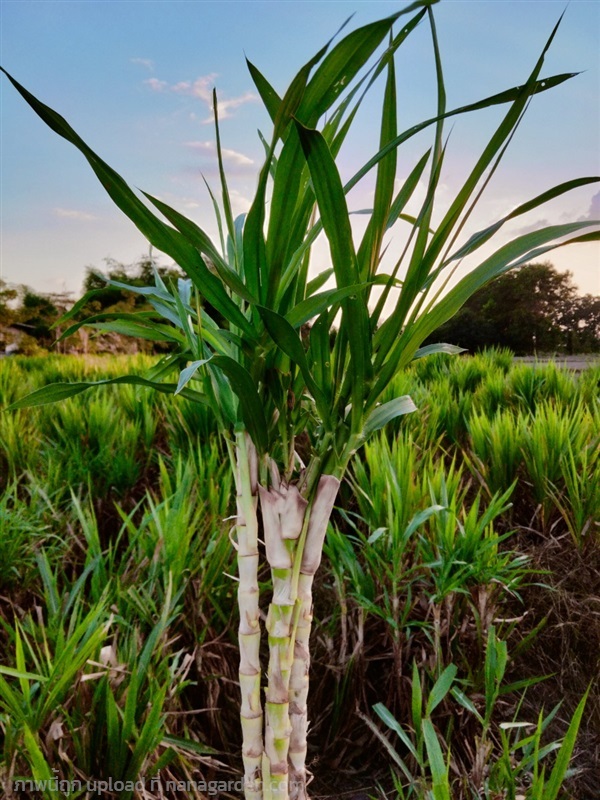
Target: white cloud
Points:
(239, 202)
(208, 146)
(71, 213)
(534, 226)
(156, 85)
(594, 209)
(201, 89)
(147, 63)
(224, 106)
(232, 156)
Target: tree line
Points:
(533, 309)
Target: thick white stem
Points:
(299, 681)
(251, 713)
(294, 533)
(320, 514)
(279, 555)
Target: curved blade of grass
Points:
(386, 716)
(157, 232)
(254, 243)
(154, 332)
(224, 188)
(196, 237)
(418, 266)
(140, 324)
(336, 223)
(251, 405)
(267, 93)
(479, 238)
(440, 688)
(437, 765)
(315, 284)
(188, 373)
(386, 412)
(344, 62)
(393, 753)
(22, 674)
(563, 758)
(55, 392)
(501, 98)
(507, 257)
(440, 347)
(317, 303)
(369, 251)
(507, 96)
(501, 134)
(406, 190)
(286, 338)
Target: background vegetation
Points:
(466, 571)
(534, 309)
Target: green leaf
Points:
(383, 414)
(76, 307)
(140, 324)
(479, 238)
(40, 768)
(416, 698)
(509, 256)
(406, 190)
(224, 188)
(508, 96)
(343, 63)
(149, 736)
(320, 352)
(286, 338)
(196, 237)
(188, 373)
(318, 303)
(251, 405)
(157, 232)
(154, 332)
(437, 765)
(563, 758)
(439, 347)
(55, 392)
(386, 716)
(336, 223)
(369, 253)
(21, 674)
(316, 283)
(267, 93)
(465, 702)
(190, 745)
(440, 688)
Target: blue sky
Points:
(134, 79)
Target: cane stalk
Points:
(278, 358)
(251, 711)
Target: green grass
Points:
(117, 619)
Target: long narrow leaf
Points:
(250, 403)
(334, 215)
(55, 392)
(157, 232)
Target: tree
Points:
(108, 294)
(531, 309)
(8, 295)
(582, 325)
(267, 385)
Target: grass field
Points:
(457, 613)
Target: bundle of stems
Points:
(294, 371)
